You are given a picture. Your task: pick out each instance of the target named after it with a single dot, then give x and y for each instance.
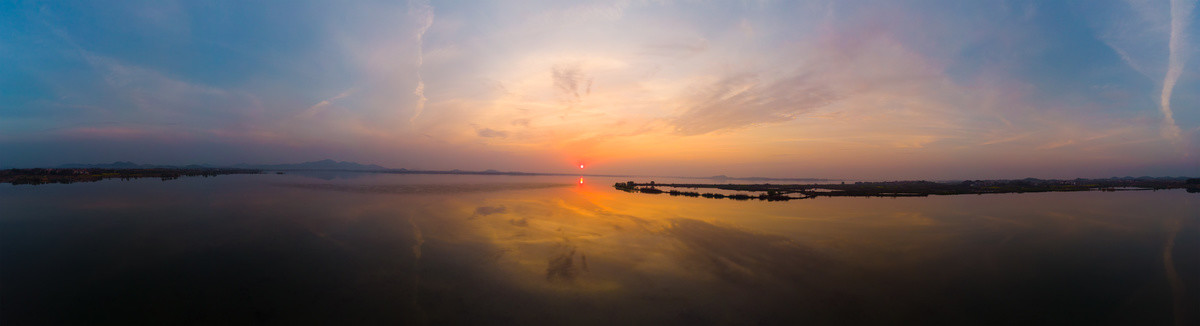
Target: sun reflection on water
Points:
(583, 251)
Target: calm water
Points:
(376, 249)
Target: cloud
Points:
(586, 12)
(323, 105)
(677, 48)
(424, 14)
(1139, 32)
(491, 133)
(568, 79)
(1181, 14)
(742, 100)
(137, 96)
(111, 133)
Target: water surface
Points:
(437, 249)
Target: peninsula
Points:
(780, 192)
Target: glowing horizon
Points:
(823, 89)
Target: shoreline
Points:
(783, 192)
(38, 176)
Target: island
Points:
(72, 175)
(782, 192)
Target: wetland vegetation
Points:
(780, 192)
(73, 175)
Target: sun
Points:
(581, 166)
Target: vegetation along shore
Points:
(44, 176)
(779, 192)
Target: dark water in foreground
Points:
(380, 249)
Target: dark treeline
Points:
(44, 176)
(649, 188)
(775, 192)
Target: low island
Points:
(73, 175)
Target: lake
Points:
(361, 248)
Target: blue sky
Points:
(846, 89)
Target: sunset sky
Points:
(826, 89)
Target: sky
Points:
(826, 89)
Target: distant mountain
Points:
(326, 164)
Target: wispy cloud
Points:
(423, 12)
(324, 104)
(569, 78)
(742, 100)
(1152, 38)
(491, 133)
(586, 12)
(1181, 15)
